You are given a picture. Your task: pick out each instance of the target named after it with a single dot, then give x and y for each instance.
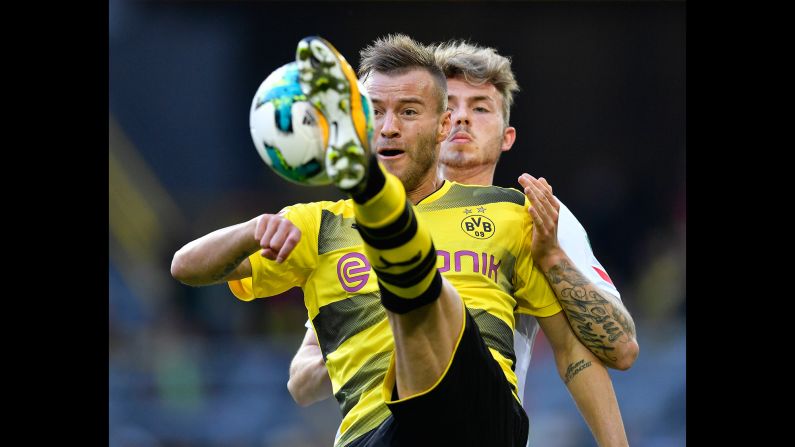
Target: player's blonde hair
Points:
(398, 53)
(479, 65)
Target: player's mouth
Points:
(461, 137)
(389, 153)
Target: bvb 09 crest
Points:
(478, 226)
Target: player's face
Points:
(478, 134)
(408, 124)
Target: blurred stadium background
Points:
(601, 115)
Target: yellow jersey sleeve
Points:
(269, 278)
(533, 294)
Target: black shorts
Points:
(471, 406)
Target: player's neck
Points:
(432, 182)
(470, 175)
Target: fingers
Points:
(285, 239)
(271, 224)
(269, 253)
(525, 179)
(543, 181)
(262, 225)
(543, 188)
(277, 236)
(537, 202)
(544, 206)
(293, 237)
(548, 194)
(537, 219)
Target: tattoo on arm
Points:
(598, 322)
(575, 368)
(626, 323)
(229, 268)
(565, 272)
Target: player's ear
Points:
(508, 137)
(444, 127)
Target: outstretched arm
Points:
(223, 254)
(587, 381)
(309, 380)
(598, 318)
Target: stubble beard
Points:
(473, 158)
(421, 161)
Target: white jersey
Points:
(574, 241)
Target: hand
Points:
(277, 236)
(544, 208)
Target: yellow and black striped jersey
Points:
(482, 236)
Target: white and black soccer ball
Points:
(290, 134)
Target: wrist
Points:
(249, 234)
(551, 258)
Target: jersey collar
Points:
(436, 195)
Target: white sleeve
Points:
(574, 241)
(523, 338)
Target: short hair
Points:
(399, 53)
(479, 65)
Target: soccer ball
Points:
(290, 134)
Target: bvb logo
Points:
(479, 227)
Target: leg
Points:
(425, 340)
(425, 312)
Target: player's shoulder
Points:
(329, 205)
(567, 221)
(564, 209)
(314, 211)
(487, 194)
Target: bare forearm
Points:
(309, 380)
(598, 319)
(592, 390)
(214, 258)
